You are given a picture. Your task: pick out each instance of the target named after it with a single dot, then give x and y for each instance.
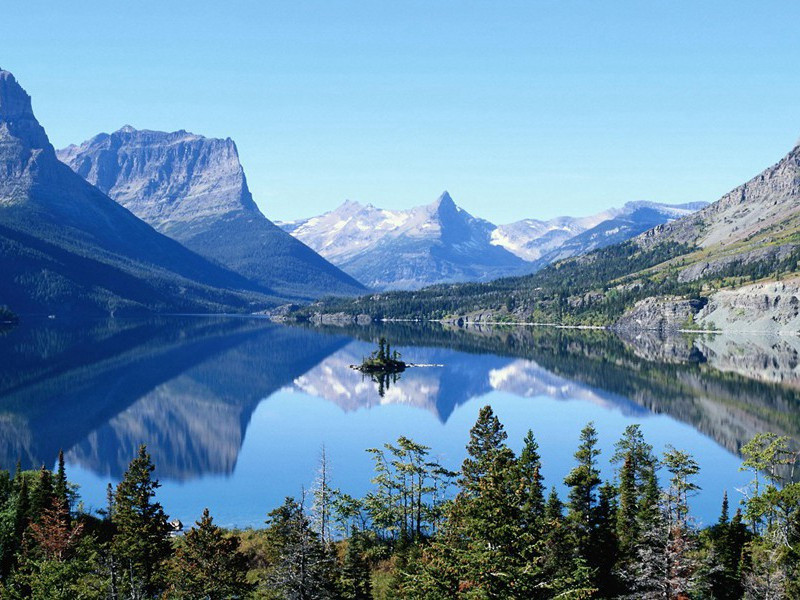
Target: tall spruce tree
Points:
(208, 564)
(530, 469)
(303, 567)
(583, 481)
(60, 487)
(636, 467)
(141, 543)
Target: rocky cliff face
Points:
(194, 190)
(166, 179)
(772, 307)
(759, 212)
(660, 314)
(65, 246)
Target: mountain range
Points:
(443, 243)
(734, 264)
(66, 247)
(193, 189)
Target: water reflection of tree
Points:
(384, 381)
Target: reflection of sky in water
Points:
(234, 411)
(281, 448)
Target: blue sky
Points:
(519, 109)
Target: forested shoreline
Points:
(494, 529)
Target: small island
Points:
(382, 361)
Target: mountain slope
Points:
(65, 246)
(618, 226)
(193, 189)
(387, 249)
(366, 241)
(667, 275)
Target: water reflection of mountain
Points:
(440, 389)
(186, 387)
(728, 387)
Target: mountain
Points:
(193, 189)
(734, 264)
(545, 242)
(442, 243)
(385, 249)
(66, 247)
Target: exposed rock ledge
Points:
(660, 314)
(772, 307)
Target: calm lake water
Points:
(235, 411)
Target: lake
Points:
(235, 410)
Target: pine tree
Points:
(41, 494)
(583, 482)
(303, 567)
(605, 547)
(60, 487)
(637, 465)
(563, 574)
(354, 580)
(208, 564)
(141, 544)
(530, 468)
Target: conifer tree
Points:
(530, 468)
(141, 543)
(60, 487)
(303, 566)
(354, 581)
(41, 494)
(583, 481)
(208, 564)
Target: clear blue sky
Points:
(519, 109)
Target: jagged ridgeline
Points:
(442, 243)
(730, 253)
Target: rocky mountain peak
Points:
(444, 202)
(165, 178)
(16, 114)
(15, 103)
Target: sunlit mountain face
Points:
(234, 410)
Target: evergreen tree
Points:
(563, 574)
(208, 564)
(302, 567)
(724, 558)
(41, 494)
(583, 481)
(637, 466)
(141, 543)
(60, 487)
(530, 468)
(354, 580)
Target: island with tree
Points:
(382, 361)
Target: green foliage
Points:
(208, 564)
(141, 544)
(498, 537)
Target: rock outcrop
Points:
(193, 189)
(660, 314)
(772, 307)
